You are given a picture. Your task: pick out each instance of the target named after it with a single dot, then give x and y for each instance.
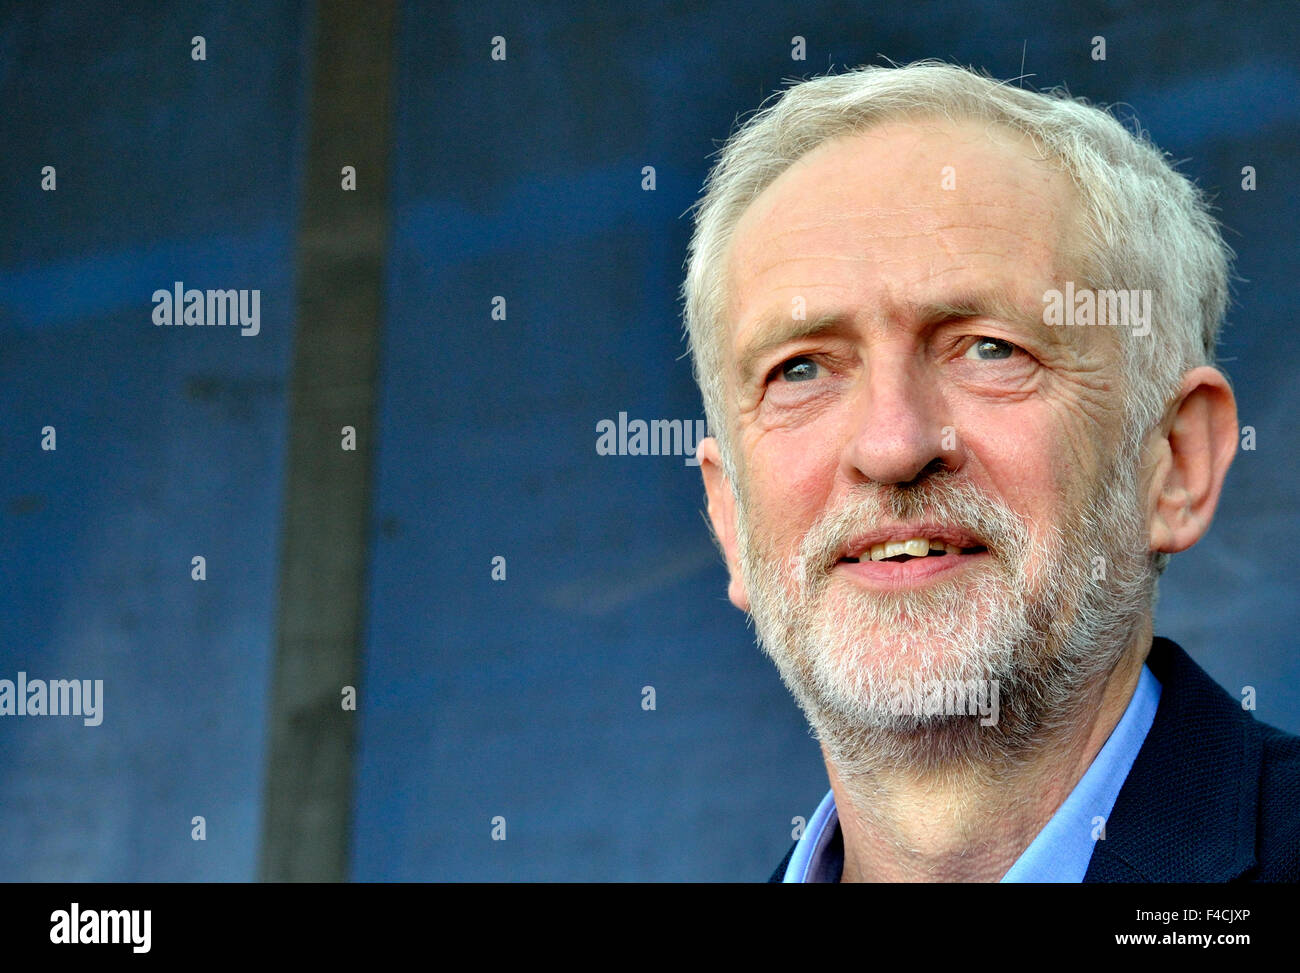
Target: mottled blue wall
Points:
(170, 440)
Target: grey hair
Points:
(1145, 226)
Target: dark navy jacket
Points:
(1214, 795)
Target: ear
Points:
(1188, 458)
(722, 514)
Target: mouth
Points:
(901, 562)
(900, 552)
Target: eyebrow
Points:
(976, 304)
(776, 330)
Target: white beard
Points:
(1031, 619)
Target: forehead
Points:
(901, 213)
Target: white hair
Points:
(1145, 226)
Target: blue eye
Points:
(990, 349)
(800, 370)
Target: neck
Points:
(969, 822)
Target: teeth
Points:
(915, 546)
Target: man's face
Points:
(891, 379)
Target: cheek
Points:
(1032, 464)
(792, 477)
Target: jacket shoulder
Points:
(1212, 795)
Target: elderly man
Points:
(955, 341)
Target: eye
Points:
(800, 369)
(990, 349)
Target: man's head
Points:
(865, 304)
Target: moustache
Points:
(941, 499)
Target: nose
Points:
(900, 429)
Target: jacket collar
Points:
(1187, 811)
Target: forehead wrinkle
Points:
(931, 271)
(786, 227)
(899, 234)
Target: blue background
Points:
(520, 178)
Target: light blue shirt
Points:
(1061, 851)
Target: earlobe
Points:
(1190, 460)
(722, 515)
